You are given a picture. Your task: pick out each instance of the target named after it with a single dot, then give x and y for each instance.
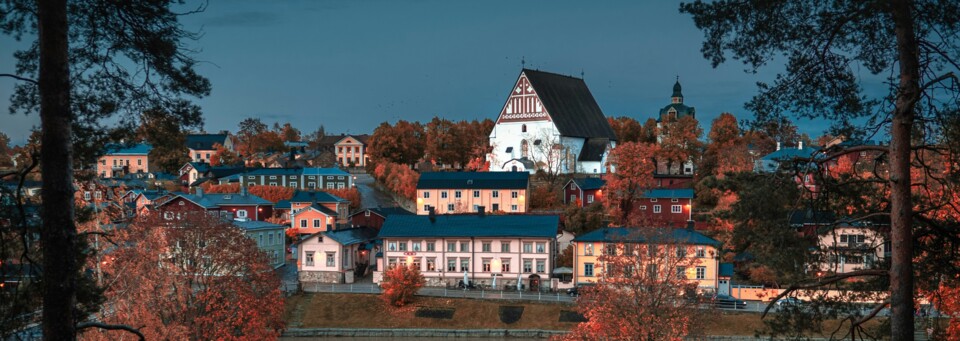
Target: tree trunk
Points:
(58, 234)
(901, 234)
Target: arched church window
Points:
(524, 148)
(523, 128)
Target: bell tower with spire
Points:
(677, 97)
(676, 109)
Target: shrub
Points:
(400, 284)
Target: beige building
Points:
(701, 260)
(467, 192)
(202, 147)
(351, 150)
(847, 248)
(120, 161)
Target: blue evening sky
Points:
(349, 65)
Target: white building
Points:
(551, 122)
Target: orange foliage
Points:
(546, 197)
(397, 178)
(212, 282)
(226, 188)
(947, 302)
(351, 194)
(400, 284)
(272, 193)
(634, 175)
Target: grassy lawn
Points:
(324, 310)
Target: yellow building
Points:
(695, 255)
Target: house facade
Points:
(338, 256)
(467, 192)
(666, 207)
(298, 178)
(202, 147)
(701, 259)
(239, 206)
(269, 237)
(351, 150)
(375, 216)
(451, 248)
(849, 247)
(313, 212)
(550, 122)
(122, 160)
(583, 191)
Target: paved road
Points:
(370, 288)
(370, 196)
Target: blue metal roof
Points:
(311, 196)
(384, 211)
(787, 154)
(252, 225)
(726, 269)
(473, 180)
(657, 236)
(205, 141)
(274, 171)
(589, 183)
(535, 226)
(213, 200)
(669, 193)
(135, 149)
(352, 235)
(324, 171)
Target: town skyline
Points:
(463, 72)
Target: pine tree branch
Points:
(100, 325)
(25, 79)
(826, 281)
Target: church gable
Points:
(523, 104)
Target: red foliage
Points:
(204, 279)
(634, 175)
(227, 188)
(351, 194)
(272, 193)
(398, 178)
(400, 284)
(546, 197)
(947, 302)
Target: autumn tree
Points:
(580, 220)
(195, 278)
(680, 143)
(441, 141)
(224, 157)
(634, 162)
(166, 133)
(626, 129)
(288, 133)
(827, 46)
(644, 290)
(350, 194)
(256, 137)
(400, 284)
(272, 193)
(6, 154)
(88, 75)
(401, 143)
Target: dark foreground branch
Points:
(19, 78)
(825, 281)
(100, 325)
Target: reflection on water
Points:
(311, 338)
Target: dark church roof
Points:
(570, 105)
(593, 149)
(205, 141)
(680, 108)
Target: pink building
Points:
(120, 161)
(467, 192)
(451, 248)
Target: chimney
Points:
(690, 225)
(480, 210)
(432, 214)
(800, 145)
(778, 145)
(200, 191)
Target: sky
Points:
(350, 65)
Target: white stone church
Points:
(552, 123)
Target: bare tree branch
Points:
(825, 281)
(101, 325)
(25, 79)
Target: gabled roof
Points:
(314, 196)
(215, 200)
(593, 149)
(135, 149)
(360, 138)
(787, 154)
(199, 166)
(205, 141)
(352, 236)
(472, 225)
(669, 193)
(384, 211)
(589, 183)
(658, 236)
(570, 105)
(319, 208)
(681, 109)
(253, 225)
(274, 171)
(473, 180)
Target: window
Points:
(416, 264)
(464, 247)
(269, 239)
(588, 269)
(527, 265)
(643, 207)
(528, 247)
(402, 246)
(331, 259)
(139, 162)
(451, 246)
(676, 209)
(505, 265)
(392, 246)
(168, 215)
(629, 249)
(303, 223)
(701, 272)
(182, 203)
(701, 252)
(476, 194)
(316, 223)
(450, 208)
(451, 265)
(681, 251)
(513, 194)
(431, 246)
(681, 272)
(513, 208)
(573, 197)
(426, 195)
(494, 207)
(541, 266)
(656, 208)
(431, 264)
(97, 195)
(588, 249)
(611, 249)
(486, 265)
(504, 246)
(523, 128)
(273, 177)
(457, 194)
(392, 263)
(86, 195)
(495, 194)
(443, 194)
(674, 200)
(426, 208)
(416, 246)
(486, 246)
(241, 214)
(541, 247)
(309, 258)
(464, 264)
(589, 198)
(198, 156)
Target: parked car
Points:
(787, 302)
(728, 302)
(575, 291)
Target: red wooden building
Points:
(375, 217)
(667, 207)
(583, 191)
(240, 206)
